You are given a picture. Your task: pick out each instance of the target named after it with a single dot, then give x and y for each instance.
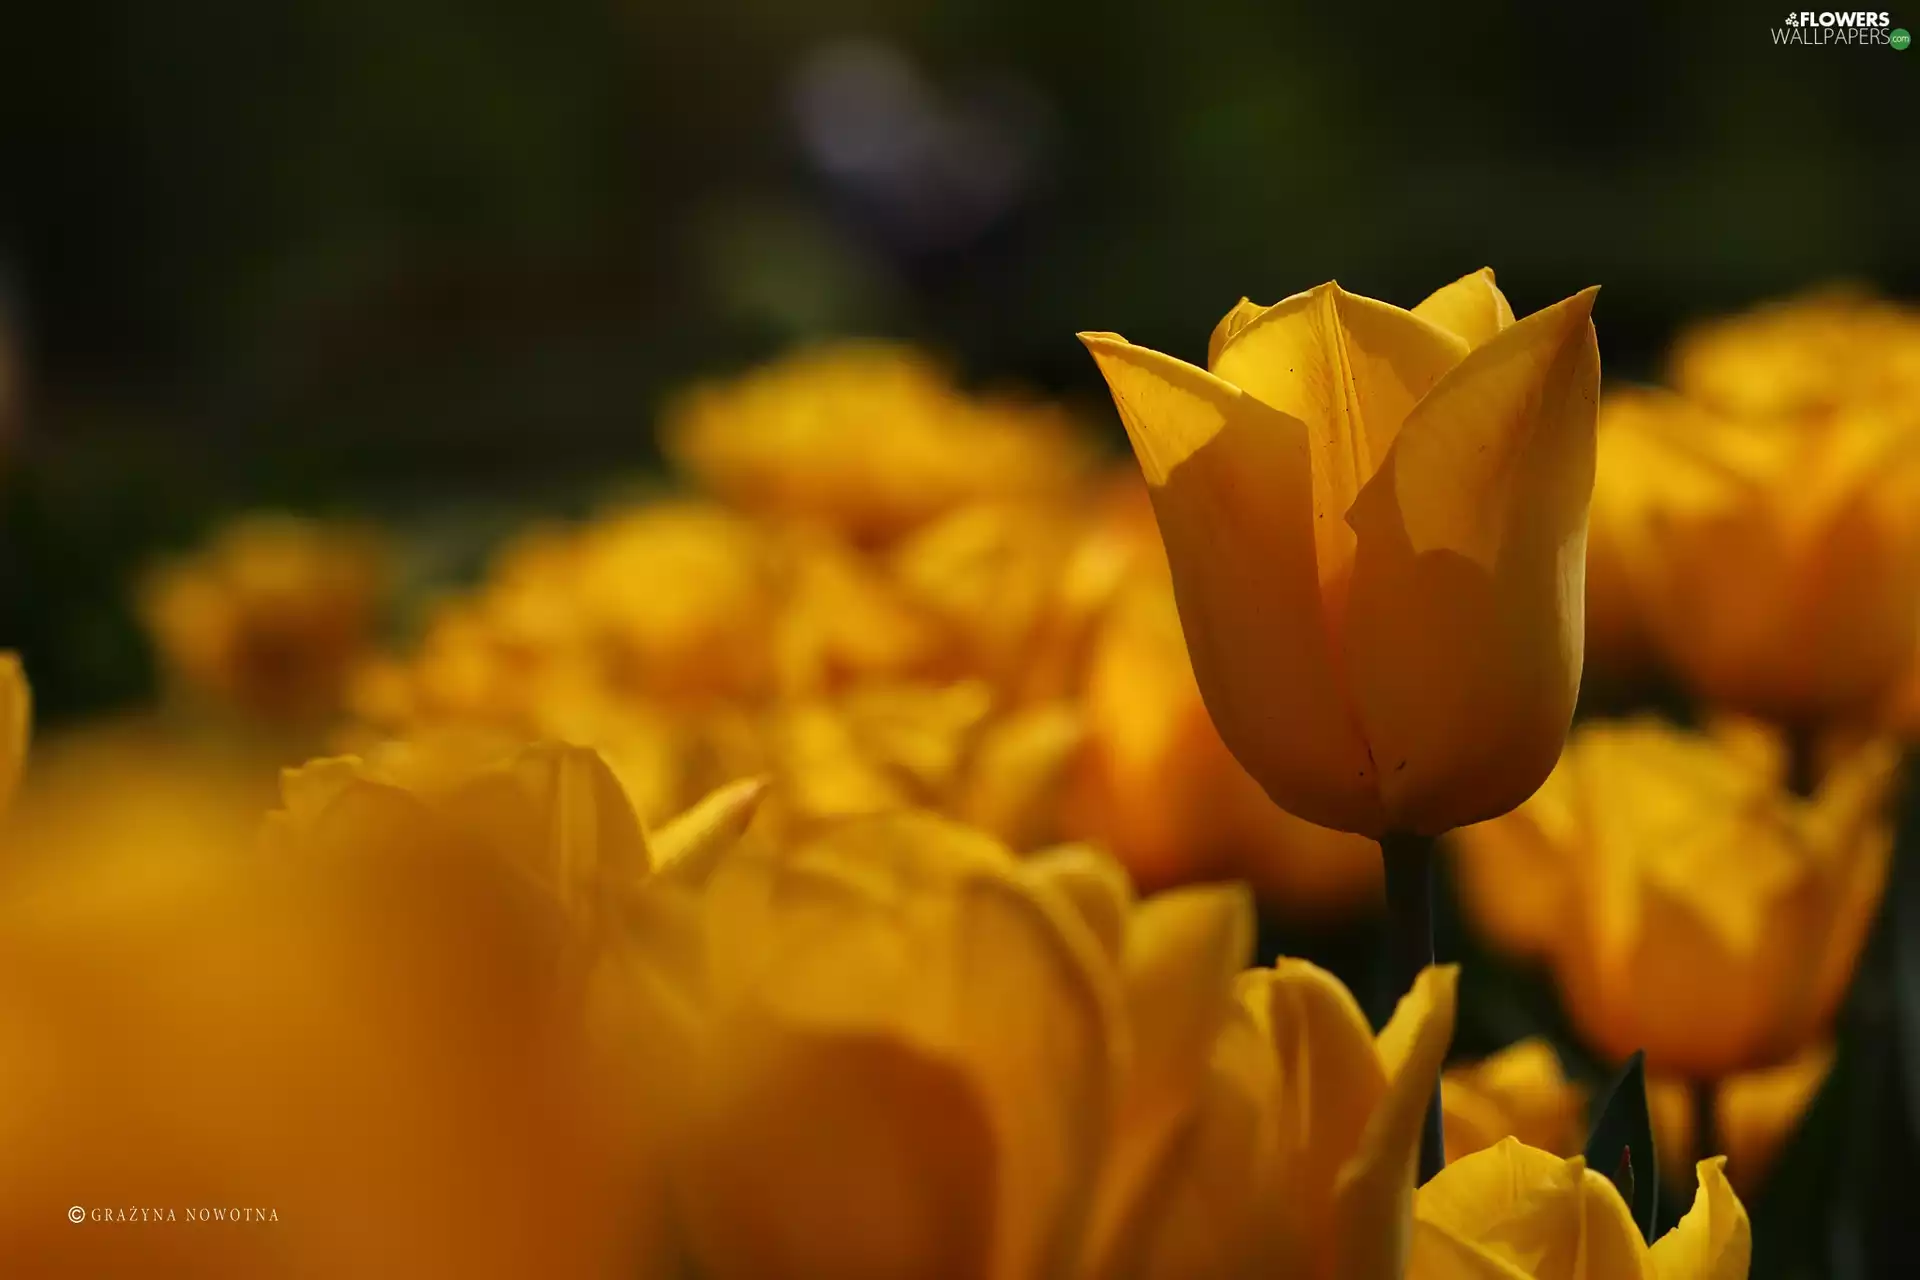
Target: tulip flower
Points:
(1376, 520)
(1772, 564)
(1687, 902)
(1510, 1212)
(270, 617)
(194, 1029)
(906, 1052)
(1520, 1092)
(1803, 358)
(866, 439)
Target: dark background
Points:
(439, 258)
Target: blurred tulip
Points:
(909, 1053)
(868, 439)
(551, 813)
(372, 1059)
(270, 617)
(1377, 525)
(991, 575)
(1687, 902)
(1512, 1212)
(902, 1059)
(1803, 357)
(1520, 1092)
(1773, 563)
(1754, 1115)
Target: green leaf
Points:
(1621, 1144)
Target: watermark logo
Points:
(172, 1213)
(1856, 29)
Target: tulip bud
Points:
(1377, 530)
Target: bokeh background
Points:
(441, 265)
(414, 253)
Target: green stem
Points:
(1410, 870)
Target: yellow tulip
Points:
(193, 1028)
(907, 1052)
(1688, 904)
(270, 616)
(1155, 784)
(1754, 1114)
(1377, 525)
(902, 1061)
(1512, 1212)
(1803, 358)
(1773, 564)
(867, 439)
(1520, 1092)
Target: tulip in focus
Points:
(270, 617)
(1512, 1212)
(1155, 784)
(1377, 521)
(1686, 901)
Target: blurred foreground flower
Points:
(1376, 520)
(1512, 1212)
(1688, 904)
(1520, 1092)
(908, 1052)
(269, 618)
(375, 1054)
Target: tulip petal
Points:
(16, 714)
(1472, 307)
(1714, 1241)
(1016, 769)
(1093, 883)
(1232, 488)
(1244, 311)
(688, 846)
(1464, 628)
(1550, 1218)
(560, 814)
(843, 1155)
(1183, 949)
(1351, 369)
(1329, 1082)
(1374, 1194)
(1182, 952)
